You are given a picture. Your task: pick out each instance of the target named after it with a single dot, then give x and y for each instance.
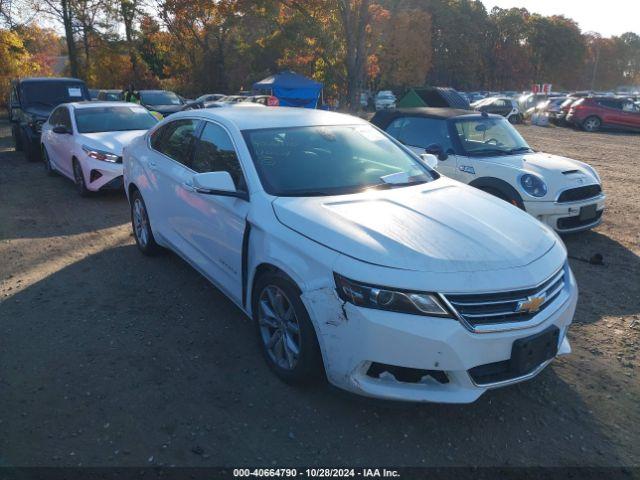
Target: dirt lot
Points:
(111, 358)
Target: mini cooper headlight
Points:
(384, 298)
(100, 155)
(533, 185)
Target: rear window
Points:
(51, 94)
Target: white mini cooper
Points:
(486, 152)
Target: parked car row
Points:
(410, 258)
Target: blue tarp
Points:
(291, 89)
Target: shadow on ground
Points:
(120, 359)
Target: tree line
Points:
(350, 45)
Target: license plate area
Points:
(529, 352)
(588, 212)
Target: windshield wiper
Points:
(520, 149)
(489, 151)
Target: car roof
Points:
(254, 117)
(385, 117)
(94, 104)
(154, 91)
(49, 79)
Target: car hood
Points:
(113, 142)
(558, 172)
(39, 111)
(165, 109)
(443, 226)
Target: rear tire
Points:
(591, 124)
(285, 333)
(142, 227)
(17, 138)
(31, 151)
(47, 163)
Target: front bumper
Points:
(100, 175)
(354, 340)
(565, 217)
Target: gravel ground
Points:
(111, 358)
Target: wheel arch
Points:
(500, 185)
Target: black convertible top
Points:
(384, 117)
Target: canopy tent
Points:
(291, 89)
(433, 97)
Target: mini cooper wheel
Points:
(286, 336)
(79, 179)
(47, 163)
(591, 124)
(141, 226)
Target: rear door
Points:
(61, 144)
(168, 164)
(418, 133)
(630, 117)
(611, 112)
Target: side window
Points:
(14, 97)
(421, 132)
(177, 139)
(156, 137)
(63, 118)
(215, 153)
(54, 117)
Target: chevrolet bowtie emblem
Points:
(531, 304)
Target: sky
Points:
(607, 17)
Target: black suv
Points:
(30, 103)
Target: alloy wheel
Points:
(140, 222)
(591, 124)
(279, 327)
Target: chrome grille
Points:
(504, 307)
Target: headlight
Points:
(384, 298)
(100, 155)
(533, 185)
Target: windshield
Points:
(52, 94)
(331, 160)
(113, 119)
(489, 136)
(160, 98)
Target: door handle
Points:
(152, 164)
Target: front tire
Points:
(591, 124)
(142, 227)
(285, 332)
(503, 196)
(81, 186)
(515, 119)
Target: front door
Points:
(214, 225)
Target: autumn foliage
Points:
(350, 45)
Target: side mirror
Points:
(430, 160)
(60, 129)
(437, 150)
(216, 183)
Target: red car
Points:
(594, 113)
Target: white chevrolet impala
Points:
(353, 258)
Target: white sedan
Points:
(83, 141)
(352, 257)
